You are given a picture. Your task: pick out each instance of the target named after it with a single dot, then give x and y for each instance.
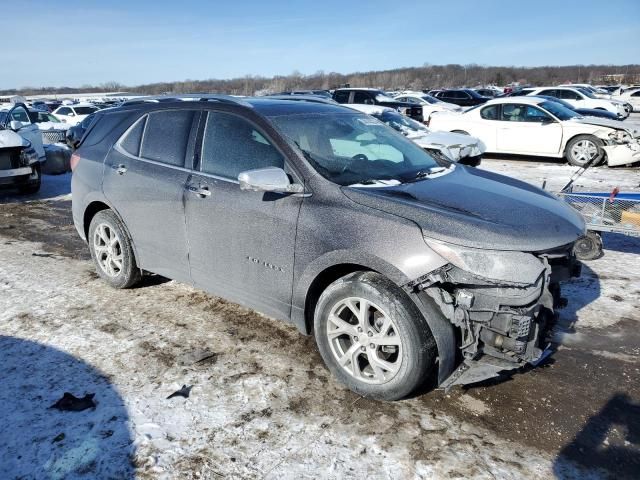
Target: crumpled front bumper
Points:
(622, 154)
(501, 325)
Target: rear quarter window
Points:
(132, 138)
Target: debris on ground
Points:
(71, 403)
(183, 392)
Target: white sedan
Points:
(429, 104)
(454, 146)
(75, 113)
(582, 98)
(632, 97)
(538, 127)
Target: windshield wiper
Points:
(421, 174)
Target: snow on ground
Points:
(262, 404)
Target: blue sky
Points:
(76, 42)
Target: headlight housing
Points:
(28, 156)
(620, 136)
(506, 266)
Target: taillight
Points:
(75, 159)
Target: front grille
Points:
(9, 158)
(53, 136)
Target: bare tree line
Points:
(414, 78)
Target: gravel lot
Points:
(262, 405)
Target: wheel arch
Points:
(92, 209)
(441, 329)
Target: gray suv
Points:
(410, 271)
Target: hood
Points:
(604, 122)
(454, 145)
(479, 209)
(53, 126)
(9, 138)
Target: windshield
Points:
(430, 99)
(559, 111)
(587, 92)
(349, 149)
(84, 110)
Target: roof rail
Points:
(203, 97)
(302, 98)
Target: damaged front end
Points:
(502, 305)
(621, 147)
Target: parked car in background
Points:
(428, 103)
(321, 93)
(20, 166)
(488, 92)
(538, 127)
(408, 270)
(586, 112)
(53, 130)
(15, 117)
(583, 99)
(465, 97)
(75, 113)
(597, 92)
(74, 134)
(373, 96)
(632, 97)
(463, 149)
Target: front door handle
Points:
(121, 169)
(201, 191)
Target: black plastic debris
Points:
(183, 392)
(71, 403)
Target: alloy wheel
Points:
(108, 250)
(364, 340)
(584, 151)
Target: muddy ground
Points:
(263, 405)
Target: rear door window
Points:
(64, 111)
(490, 113)
(362, 97)
(166, 136)
(341, 96)
(232, 145)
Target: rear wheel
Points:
(373, 338)
(112, 250)
(584, 149)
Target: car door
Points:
(144, 178)
(241, 242)
(528, 129)
(26, 128)
(573, 98)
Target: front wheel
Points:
(584, 149)
(35, 180)
(112, 250)
(588, 247)
(373, 338)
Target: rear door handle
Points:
(121, 169)
(201, 191)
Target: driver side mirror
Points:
(15, 125)
(270, 179)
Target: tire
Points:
(588, 247)
(112, 250)
(34, 185)
(393, 331)
(581, 149)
